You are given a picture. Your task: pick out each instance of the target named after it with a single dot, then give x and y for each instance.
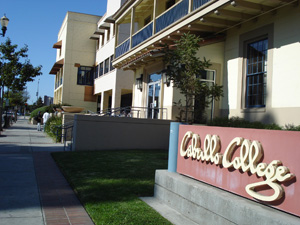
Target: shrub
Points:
(242, 123)
(36, 111)
(53, 128)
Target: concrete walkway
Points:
(32, 189)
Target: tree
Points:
(15, 69)
(17, 98)
(184, 69)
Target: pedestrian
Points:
(38, 119)
(46, 116)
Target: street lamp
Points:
(4, 23)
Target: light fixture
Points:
(4, 23)
(139, 82)
(165, 77)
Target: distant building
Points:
(48, 100)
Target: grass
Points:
(109, 183)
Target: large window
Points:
(256, 73)
(85, 75)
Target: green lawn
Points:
(109, 183)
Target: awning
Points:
(105, 26)
(57, 44)
(56, 67)
(109, 20)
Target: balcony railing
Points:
(122, 48)
(174, 14)
(164, 20)
(198, 3)
(142, 35)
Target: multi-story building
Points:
(113, 87)
(253, 46)
(75, 59)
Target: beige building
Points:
(253, 46)
(75, 59)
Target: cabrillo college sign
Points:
(257, 164)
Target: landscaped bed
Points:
(109, 183)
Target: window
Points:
(111, 66)
(106, 65)
(256, 73)
(170, 3)
(101, 69)
(85, 75)
(96, 72)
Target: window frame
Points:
(84, 80)
(245, 38)
(106, 66)
(259, 78)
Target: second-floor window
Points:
(101, 69)
(106, 65)
(110, 63)
(85, 75)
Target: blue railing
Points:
(198, 3)
(142, 35)
(124, 47)
(172, 15)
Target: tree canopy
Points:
(16, 69)
(184, 69)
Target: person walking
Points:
(46, 116)
(38, 119)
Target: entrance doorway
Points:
(153, 104)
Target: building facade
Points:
(112, 87)
(75, 58)
(252, 45)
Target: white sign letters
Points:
(251, 153)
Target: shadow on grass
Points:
(109, 183)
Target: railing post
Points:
(154, 17)
(131, 27)
(190, 5)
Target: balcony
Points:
(161, 22)
(209, 19)
(172, 15)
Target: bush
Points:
(52, 128)
(36, 111)
(242, 123)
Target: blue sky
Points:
(36, 23)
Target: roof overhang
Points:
(56, 67)
(58, 44)
(109, 20)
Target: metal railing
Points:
(136, 112)
(64, 132)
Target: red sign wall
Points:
(261, 165)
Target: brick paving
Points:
(59, 202)
(33, 191)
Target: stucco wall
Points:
(105, 133)
(283, 68)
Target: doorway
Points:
(153, 104)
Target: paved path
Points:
(32, 189)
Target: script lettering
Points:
(251, 153)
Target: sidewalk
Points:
(32, 189)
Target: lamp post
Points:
(4, 23)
